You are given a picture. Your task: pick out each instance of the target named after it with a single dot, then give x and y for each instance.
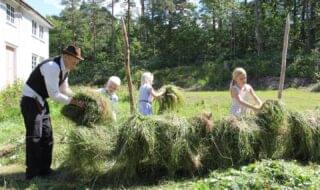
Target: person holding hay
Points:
(109, 91)
(241, 93)
(147, 94)
(48, 79)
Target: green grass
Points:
(218, 102)
(266, 174)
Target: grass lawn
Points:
(218, 102)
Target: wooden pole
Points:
(284, 56)
(127, 66)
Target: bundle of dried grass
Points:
(152, 147)
(172, 99)
(97, 109)
(88, 150)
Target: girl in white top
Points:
(242, 93)
(147, 94)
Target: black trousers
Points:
(39, 139)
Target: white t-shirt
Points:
(238, 109)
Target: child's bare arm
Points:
(156, 94)
(255, 97)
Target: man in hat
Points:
(48, 79)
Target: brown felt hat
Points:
(73, 51)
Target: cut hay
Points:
(171, 100)
(97, 108)
(88, 150)
(305, 134)
(272, 120)
(271, 116)
(147, 149)
(153, 147)
(232, 142)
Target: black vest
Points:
(36, 80)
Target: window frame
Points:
(41, 31)
(10, 12)
(34, 61)
(34, 27)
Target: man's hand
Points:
(78, 103)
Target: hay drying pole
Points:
(127, 65)
(284, 56)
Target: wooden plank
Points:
(284, 57)
(127, 66)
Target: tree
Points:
(72, 16)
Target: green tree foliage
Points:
(213, 35)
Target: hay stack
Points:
(97, 108)
(232, 142)
(271, 116)
(272, 119)
(305, 135)
(171, 100)
(152, 147)
(88, 150)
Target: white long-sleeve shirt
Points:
(50, 72)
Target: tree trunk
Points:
(73, 25)
(294, 12)
(213, 21)
(284, 56)
(258, 27)
(233, 37)
(312, 26)
(303, 18)
(142, 28)
(127, 66)
(142, 7)
(94, 32)
(128, 20)
(112, 28)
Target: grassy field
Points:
(218, 102)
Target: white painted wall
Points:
(19, 36)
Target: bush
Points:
(303, 66)
(10, 101)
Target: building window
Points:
(41, 32)
(34, 61)
(41, 59)
(10, 13)
(34, 28)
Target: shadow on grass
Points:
(58, 180)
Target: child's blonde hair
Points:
(146, 77)
(113, 79)
(236, 72)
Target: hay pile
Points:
(271, 116)
(305, 135)
(153, 147)
(272, 120)
(235, 141)
(97, 109)
(150, 148)
(171, 100)
(231, 143)
(88, 150)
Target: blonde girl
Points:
(242, 93)
(147, 94)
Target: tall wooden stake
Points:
(127, 66)
(284, 57)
